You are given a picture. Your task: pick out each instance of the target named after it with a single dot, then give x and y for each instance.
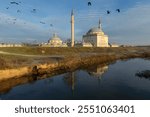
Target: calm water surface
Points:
(114, 81)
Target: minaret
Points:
(72, 29)
(100, 25)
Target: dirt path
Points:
(37, 56)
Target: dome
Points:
(95, 31)
(55, 40)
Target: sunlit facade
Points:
(95, 37)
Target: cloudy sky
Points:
(37, 20)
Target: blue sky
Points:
(130, 26)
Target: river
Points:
(116, 81)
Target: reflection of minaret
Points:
(70, 79)
(73, 80)
(72, 29)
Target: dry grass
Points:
(73, 56)
(64, 51)
(9, 62)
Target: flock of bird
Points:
(108, 11)
(19, 11)
(33, 10)
(18, 3)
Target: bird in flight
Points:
(118, 10)
(14, 3)
(33, 11)
(108, 12)
(42, 22)
(89, 3)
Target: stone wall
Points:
(10, 45)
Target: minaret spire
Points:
(100, 25)
(72, 12)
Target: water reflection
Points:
(115, 81)
(7, 85)
(70, 79)
(97, 71)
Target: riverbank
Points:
(73, 59)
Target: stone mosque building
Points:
(55, 41)
(95, 37)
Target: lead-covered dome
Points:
(95, 30)
(55, 40)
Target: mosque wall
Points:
(102, 41)
(95, 40)
(90, 39)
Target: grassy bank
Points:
(9, 62)
(68, 51)
(74, 58)
(12, 61)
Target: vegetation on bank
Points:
(67, 50)
(8, 61)
(73, 56)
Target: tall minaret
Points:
(100, 25)
(72, 29)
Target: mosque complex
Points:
(95, 37)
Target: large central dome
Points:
(95, 30)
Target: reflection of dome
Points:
(55, 40)
(95, 31)
(98, 71)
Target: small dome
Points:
(55, 39)
(95, 31)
